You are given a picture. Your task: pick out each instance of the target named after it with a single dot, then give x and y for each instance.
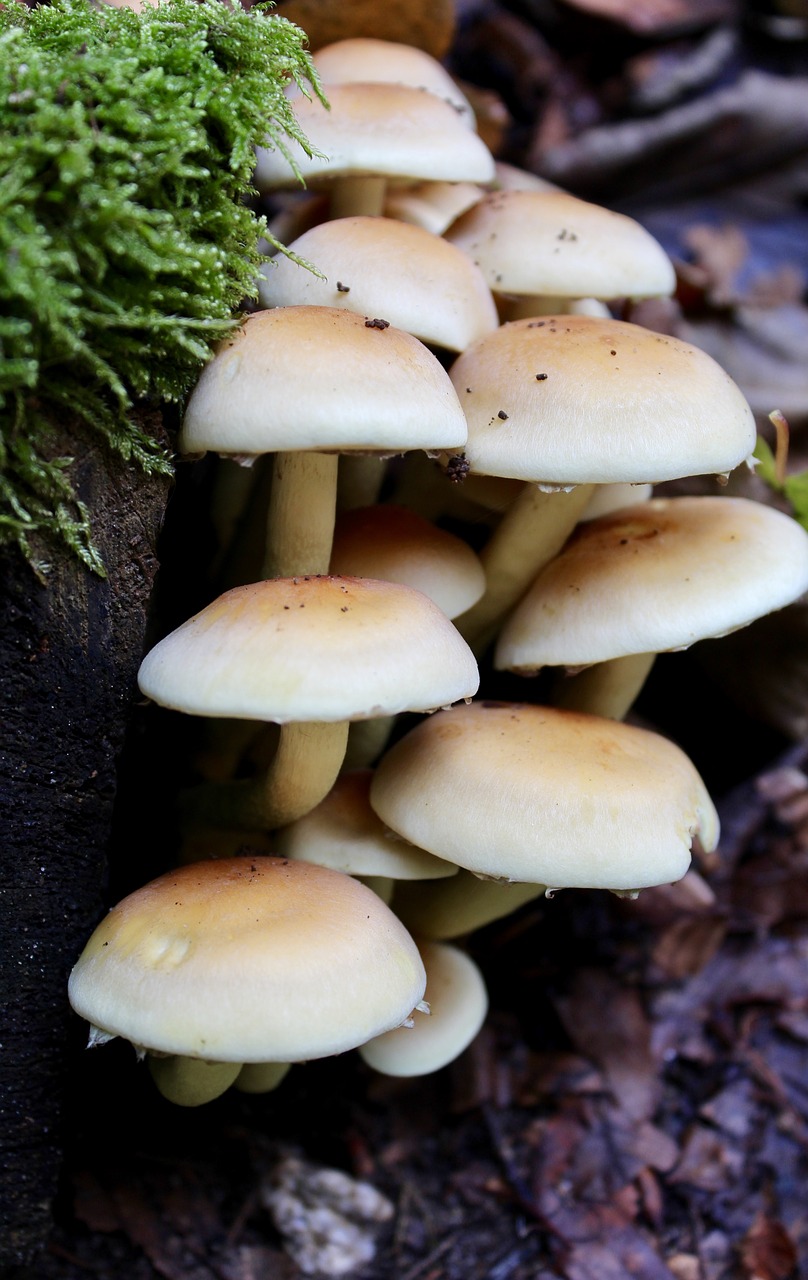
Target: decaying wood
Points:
(69, 650)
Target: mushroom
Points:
(344, 833)
(568, 402)
(649, 579)
(306, 383)
(554, 798)
(368, 60)
(546, 249)
(366, 265)
(458, 1002)
(397, 545)
(245, 960)
(309, 654)
(369, 135)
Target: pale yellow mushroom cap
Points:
(656, 577)
(552, 243)
(385, 130)
(369, 60)
(381, 267)
(323, 379)
(431, 205)
(568, 400)
(343, 832)
(312, 648)
(556, 798)
(398, 545)
(248, 960)
(458, 1003)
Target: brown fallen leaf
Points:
(767, 1251)
(606, 1021)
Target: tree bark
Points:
(69, 652)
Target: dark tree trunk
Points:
(69, 653)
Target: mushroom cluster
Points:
(459, 311)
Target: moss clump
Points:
(126, 157)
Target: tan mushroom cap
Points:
(380, 267)
(325, 649)
(458, 1002)
(397, 545)
(568, 400)
(344, 833)
(656, 577)
(551, 797)
(552, 243)
(369, 60)
(248, 960)
(318, 378)
(387, 130)
(431, 205)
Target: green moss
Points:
(126, 238)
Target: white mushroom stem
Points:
(301, 773)
(300, 520)
(260, 1077)
(353, 196)
(606, 689)
(532, 532)
(191, 1082)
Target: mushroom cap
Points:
(397, 545)
(367, 267)
(569, 400)
(656, 577)
(371, 61)
(248, 960)
(552, 243)
(386, 130)
(458, 1003)
(344, 833)
(551, 797)
(431, 205)
(312, 648)
(323, 379)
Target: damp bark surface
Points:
(69, 651)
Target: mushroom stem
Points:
(300, 520)
(367, 740)
(190, 1082)
(382, 886)
(606, 689)
(459, 905)
(361, 476)
(261, 1077)
(532, 532)
(534, 305)
(353, 196)
(300, 775)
